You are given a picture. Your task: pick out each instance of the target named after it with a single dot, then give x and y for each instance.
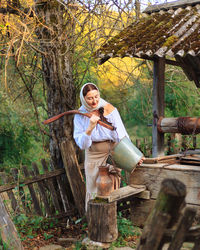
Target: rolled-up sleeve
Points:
(83, 140)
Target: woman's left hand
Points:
(141, 161)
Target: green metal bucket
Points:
(126, 155)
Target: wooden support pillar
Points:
(158, 105)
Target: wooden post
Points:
(158, 105)
(182, 229)
(164, 215)
(74, 175)
(8, 231)
(102, 221)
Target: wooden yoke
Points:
(72, 112)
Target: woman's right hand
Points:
(93, 122)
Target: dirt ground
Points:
(71, 234)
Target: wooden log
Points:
(32, 193)
(166, 212)
(52, 190)
(183, 125)
(74, 175)
(102, 221)
(8, 231)
(158, 105)
(14, 204)
(42, 191)
(182, 228)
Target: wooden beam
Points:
(158, 106)
(166, 6)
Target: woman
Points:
(97, 141)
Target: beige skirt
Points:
(95, 157)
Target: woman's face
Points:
(92, 98)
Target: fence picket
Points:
(32, 192)
(22, 196)
(42, 190)
(14, 204)
(51, 187)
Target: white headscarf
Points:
(101, 103)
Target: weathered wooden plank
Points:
(42, 190)
(32, 193)
(151, 175)
(74, 175)
(14, 204)
(63, 193)
(161, 159)
(182, 228)
(39, 178)
(8, 231)
(125, 192)
(54, 194)
(158, 105)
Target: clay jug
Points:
(104, 182)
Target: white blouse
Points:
(99, 133)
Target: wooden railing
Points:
(45, 194)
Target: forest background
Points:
(125, 82)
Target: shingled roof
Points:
(169, 30)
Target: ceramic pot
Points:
(104, 182)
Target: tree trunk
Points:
(54, 33)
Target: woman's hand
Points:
(141, 161)
(93, 122)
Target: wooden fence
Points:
(174, 143)
(31, 192)
(170, 221)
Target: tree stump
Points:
(102, 221)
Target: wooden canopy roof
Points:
(170, 30)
